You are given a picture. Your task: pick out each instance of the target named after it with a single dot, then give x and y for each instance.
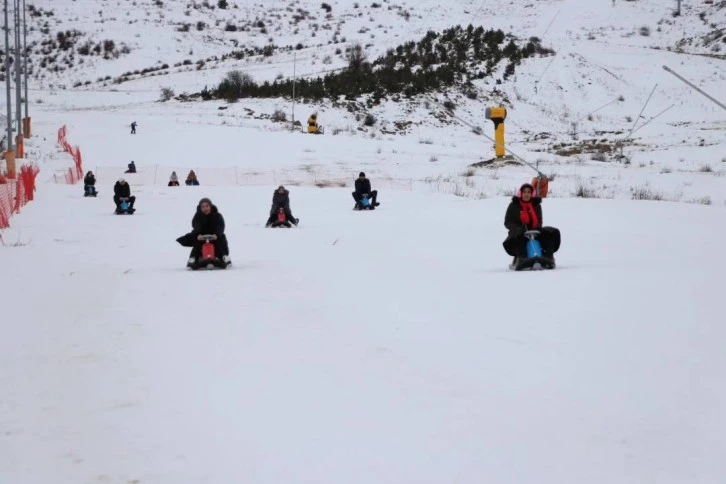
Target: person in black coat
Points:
(525, 213)
(281, 200)
(89, 185)
(206, 221)
(121, 192)
(131, 167)
(363, 187)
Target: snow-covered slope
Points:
(385, 347)
(609, 59)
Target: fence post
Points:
(236, 177)
(156, 168)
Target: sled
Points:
(281, 221)
(209, 259)
(125, 209)
(535, 260)
(90, 193)
(364, 204)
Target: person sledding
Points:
(364, 197)
(173, 180)
(524, 222)
(192, 180)
(131, 167)
(207, 226)
(89, 185)
(122, 198)
(281, 203)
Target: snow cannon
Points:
(497, 116)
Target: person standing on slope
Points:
(363, 187)
(525, 213)
(133, 127)
(281, 200)
(206, 221)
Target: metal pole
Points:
(668, 69)
(678, 11)
(25, 59)
(10, 144)
(294, 81)
(18, 87)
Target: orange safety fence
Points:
(16, 194)
(76, 172)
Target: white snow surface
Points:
(385, 347)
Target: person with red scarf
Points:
(525, 213)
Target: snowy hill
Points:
(386, 347)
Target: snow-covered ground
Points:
(387, 347)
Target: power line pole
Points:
(18, 83)
(294, 80)
(25, 60)
(9, 119)
(678, 9)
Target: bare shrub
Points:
(584, 191)
(470, 172)
(599, 157)
(644, 192)
(167, 93)
(369, 120)
(644, 31)
(706, 168)
(665, 171)
(279, 116)
(433, 159)
(701, 201)
(426, 141)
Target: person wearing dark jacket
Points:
(363, 187)
(133, 127)
(131, 167)
(89, 185)
(192, 180)
(122, 192)
(206, 221)
(281, 200)
(525, 213)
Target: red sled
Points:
(209, 257)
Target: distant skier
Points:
(206, 221)
(173, 180)
(122, 193)
(192, 180)
(525, 213)
(281, 200)
(133, 127)
(363, 187)
(131, 167)
(89, 185)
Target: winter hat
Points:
(361, 174)
(205, 200)
(121, 180)
(526, 185)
